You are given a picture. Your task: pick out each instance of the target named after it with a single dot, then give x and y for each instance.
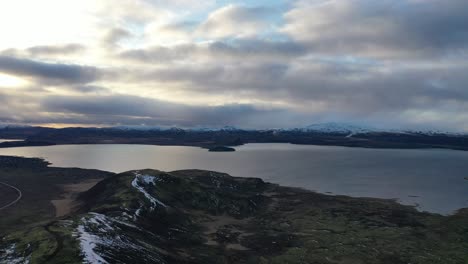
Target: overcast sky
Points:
(252, 64)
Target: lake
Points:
(432, 179)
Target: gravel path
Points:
(20, 195)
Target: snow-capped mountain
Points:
(140, 128)
(351, 129)
(214, 129)
(338, 128)
(175, 128)
(331, 127)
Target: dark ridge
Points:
(20, 162)
(227, 138)
(26, 143)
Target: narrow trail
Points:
(20, 195)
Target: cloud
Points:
(231, 21)
(320, 86)
(71, 52)
(172, 33)
(89, 89)
(104, 110)
(123, 109)
(384, 29)
(188, 5)
(68, 49)
(114, 36)
(48, 72)
(18, 107)
(240, 49)
(127, 12)
(235, 21)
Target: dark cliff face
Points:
(196, 216)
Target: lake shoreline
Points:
(232, 137)
(354, 172)
(22, 143)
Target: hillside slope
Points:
(194, 216)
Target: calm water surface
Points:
(433, 179)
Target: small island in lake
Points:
(221, 149)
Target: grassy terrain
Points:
(39, 184)
(198, 216)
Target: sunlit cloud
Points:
(234, 21)
(10, 81)
(25, 23)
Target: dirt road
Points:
(20, 195)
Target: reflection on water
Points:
(433, 178)
(9, 140)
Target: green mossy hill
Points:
(196, 216)
(216, 193)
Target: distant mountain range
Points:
(175, 128)
(332, 127)
(3, 126)
(329, 134)
(337, 128)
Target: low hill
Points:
(194, 216)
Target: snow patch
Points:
(140, 182)
(338, 128)
(89, 241)
(101, 236)
(10, 257)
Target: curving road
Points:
(20, 195)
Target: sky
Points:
(251, 64)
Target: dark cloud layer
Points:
(48, 72)
(239, 49)
(131, 110)
(121, 109)
(383, 28)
